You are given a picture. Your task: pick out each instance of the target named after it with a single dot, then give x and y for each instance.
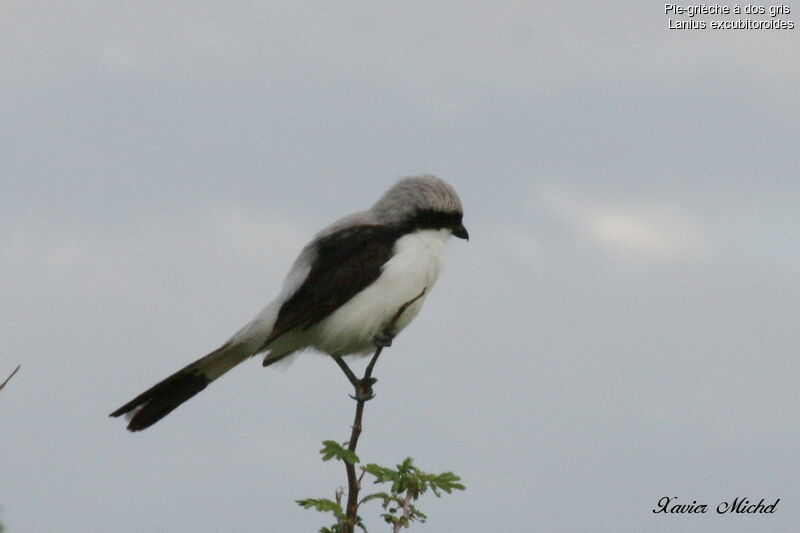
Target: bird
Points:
(340, 295)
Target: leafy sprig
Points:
(406, 483)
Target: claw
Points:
(383, 340)
(364, 390)
(359, 398)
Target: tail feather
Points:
(158, 401)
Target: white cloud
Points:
(660, 231)
(643, 227)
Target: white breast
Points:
(415, 265)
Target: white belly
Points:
(415, 265)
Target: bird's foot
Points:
(383, 340)
(364, 390)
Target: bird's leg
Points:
(364, 390)
(384, 338)
(346, 369)
(362, 386)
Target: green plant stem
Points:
(406, 512)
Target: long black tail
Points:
(160, 400)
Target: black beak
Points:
(461, 232)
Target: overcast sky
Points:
(621, 326)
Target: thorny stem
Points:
(363, 393)
(406, 512)
(339, 521)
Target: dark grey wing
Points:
(345, 262)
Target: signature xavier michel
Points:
(670, 505)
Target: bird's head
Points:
(422, 202)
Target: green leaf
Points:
(333, 450)
(381, 473)
(322, 505)
(376, 496)
(446, 481)
(406, 466)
